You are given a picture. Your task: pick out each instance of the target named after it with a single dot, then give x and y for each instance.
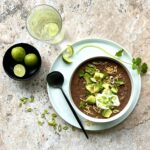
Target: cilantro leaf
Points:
(137, 61)
(139, 66)
(90, 70)
(144, 68)
(82, 104)
(119, 53)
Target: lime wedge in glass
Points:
(18, 54)
(50, 29)
(68, 53)
(19, 70)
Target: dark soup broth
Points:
(100, 87)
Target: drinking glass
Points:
(45, 23)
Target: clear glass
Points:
(45, 23)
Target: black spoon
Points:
(56, 80)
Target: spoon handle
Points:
(75, 114)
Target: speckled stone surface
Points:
(124, 21)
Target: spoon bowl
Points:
(55, 79)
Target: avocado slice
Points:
(87, 78)
(106, 113)
(90, 88)
(114, 90)
(105, 85)
(93, 79)
(94, 87)
(91, 99)
(98, 76)
(107, 92)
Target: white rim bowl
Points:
(121, 113)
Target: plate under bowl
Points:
(89, 49)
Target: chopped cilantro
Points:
(81, 73)
(82, 104)
(119, 82)
(119, 53)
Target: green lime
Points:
(18, 54)
(67, 59)
(31, 59)
(51, 28)
(19, 70)
(67, 54)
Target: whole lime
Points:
(18, 54)
(30, 60)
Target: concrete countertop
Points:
(124, 21)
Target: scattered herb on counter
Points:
(73, 128)
(40, 123)
(59, 128)
(54, 115)
(65, 127)
(25, 100)
(53, 122)
(20, 104)
(119, 53)
(31, 99)
(44, 113)
(29, 109)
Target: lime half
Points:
(19, 70)
(51, 29)
(68, 53)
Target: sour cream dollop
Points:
(106, 101)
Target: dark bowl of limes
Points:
(21, 61)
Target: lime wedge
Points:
(67, 54)
(19, 70)
(69, 51)
(67, 59)
(51, 28)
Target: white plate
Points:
(58, 101)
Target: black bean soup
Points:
(100, 87)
